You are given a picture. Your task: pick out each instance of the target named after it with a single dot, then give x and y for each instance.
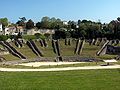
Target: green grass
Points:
(65, 80)
(25, 50)
(67, 50)
(89, 50)
(47, 51)
(10, 57)
(1, 46)
(107, 56)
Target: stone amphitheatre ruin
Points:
(106, 48)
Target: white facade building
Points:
(10, 31)
(41, 31)
(65, 22)
(1, 30)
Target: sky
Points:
(95, 10)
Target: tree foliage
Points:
(3, 37)
(21, 22)
(4, 22)
(30, 24)
(76, 29)
(38, 25)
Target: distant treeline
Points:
(81, 29)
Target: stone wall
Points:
(113, 49)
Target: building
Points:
(41, 31)
(14, 30)
(65, 22)
(10, 31)
(20, 29)
(1, 29)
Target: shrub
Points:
(38, 35)
(3, 37)
(47, 35)
(29, 37)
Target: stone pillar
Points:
(81, 47)
(56, 48)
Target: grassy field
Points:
(66, 80)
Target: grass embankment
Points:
(88, 51)
(9, 57)
(47, 51)
(68, 80)
(25, 50)
(91, 50)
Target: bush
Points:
(67, 34)
(37, 35)
(41, 36)
(47, 35)
(3, 37)
(29, 37)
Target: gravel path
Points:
(38, 64)
(61, 69)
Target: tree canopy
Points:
(4, 22)
(75, 29)
(30, 24)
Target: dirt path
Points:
(61, 69)
(38, 64)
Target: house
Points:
(31, 32)
(41, 31)
(13, 30)
(1, 29)
(20, 29)
(10, 31)
(65, 22)
(49, 31)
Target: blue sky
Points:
(105, 10)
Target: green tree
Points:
(30, 24)
(23, 19)
(4, 22)
(51, 23)
(72, 25)
(38, 25)
(21, 22)
(45, 22)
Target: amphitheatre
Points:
(39, 52)
(59, 45)
(53, 54)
